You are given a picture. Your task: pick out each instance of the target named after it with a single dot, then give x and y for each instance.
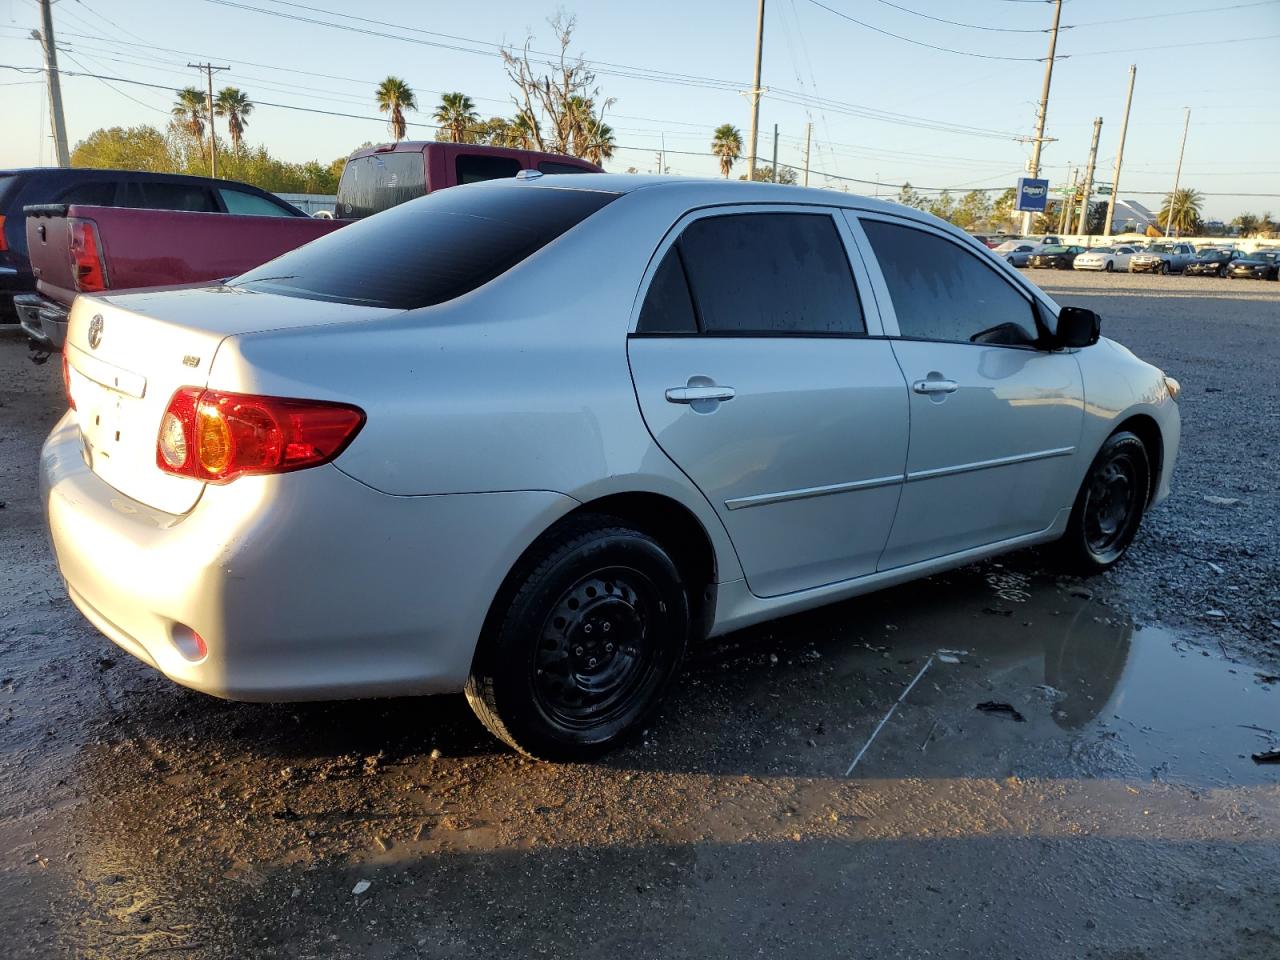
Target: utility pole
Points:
(808, 135)
(754, 94)
(209, 70)
(1088, 175)
(1186, 124)
(1068, 206)
(1115, 177)
(54, 84)
(1042, 114)
(775, 153)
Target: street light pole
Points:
(1043, 112)
(1115, 177)
(1177, 176)
(1088, 176)
(55, 85)
(754, 94)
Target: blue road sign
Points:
(1032, 194)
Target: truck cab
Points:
(378, 178)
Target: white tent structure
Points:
(1131, 217)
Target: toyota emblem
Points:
(95, 331)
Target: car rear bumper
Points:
(305, 586)
(44, 320)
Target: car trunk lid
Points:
(128, 354)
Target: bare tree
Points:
(551, 92)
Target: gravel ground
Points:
(1209, 557)
(1114, 814)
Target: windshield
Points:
(1054, 249)
(1103, 250)
(428, 250)
(1267, 255)
(1211, 254)
(1160, 248)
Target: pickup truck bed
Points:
(144, 248)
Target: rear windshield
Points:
(379, 182)
(427, 251)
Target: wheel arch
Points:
(1146, 429)
(680, 532)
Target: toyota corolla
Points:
(531, 438)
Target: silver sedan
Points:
(531, 438)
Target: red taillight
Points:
(4, 244)
(216, 437)
(88, 270)
(66, 379)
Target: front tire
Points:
(1164, 268)
(1110, 267)
(592, 630)
(1109, 506)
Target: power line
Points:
(1175, 46)
(957, 23)
(1175, 13)
(918, 43)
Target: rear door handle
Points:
(935, 386)
(694, 394)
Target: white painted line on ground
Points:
(880, 726)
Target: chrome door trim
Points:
(805, 493)
(986, 464)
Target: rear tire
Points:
(1110, 267)
(1109, 506)
(593, 628)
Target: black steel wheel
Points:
(583, 642)
(1109, 505)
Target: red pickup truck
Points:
(81, 249)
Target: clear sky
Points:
(951, 117)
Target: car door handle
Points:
(935, 386)
(694, 394)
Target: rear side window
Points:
(428, 251)
(668, 308)
(96, 193)
(771, 273)
(379, 182)
(251, 205)
(941, 291)
(156, 195)
(472, 168)
(551, 166)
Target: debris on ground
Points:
(992, 706)
(1267, 756)
(1221, 501)
(360, 887)
(997, 613)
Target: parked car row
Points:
(1162, 257)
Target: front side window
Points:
(473, 168)
(771, 273)
(941, 291)
(251, 205)
(429, 250)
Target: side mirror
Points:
(1077, 327)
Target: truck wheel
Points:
(593, 627)
(1109, 506)
(1164, 268)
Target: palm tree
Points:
(595, 141)
(1181, 211)
(726, 143)
(236, 106)
(190, 110)
(521, 129)
(1246, 223)
(457, 114)
(394, 97)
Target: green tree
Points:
(1180, 211)
(764, 174)
(973, 210)
(944, 205)
(121, 148)
(1002, 209)
(726, 143)
(1246, 224)
(394, 97)
(908, 197)
(236, 106)
(191, 110)
(456, 114)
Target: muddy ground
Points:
(1121, 817)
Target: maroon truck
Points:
(77, 248)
